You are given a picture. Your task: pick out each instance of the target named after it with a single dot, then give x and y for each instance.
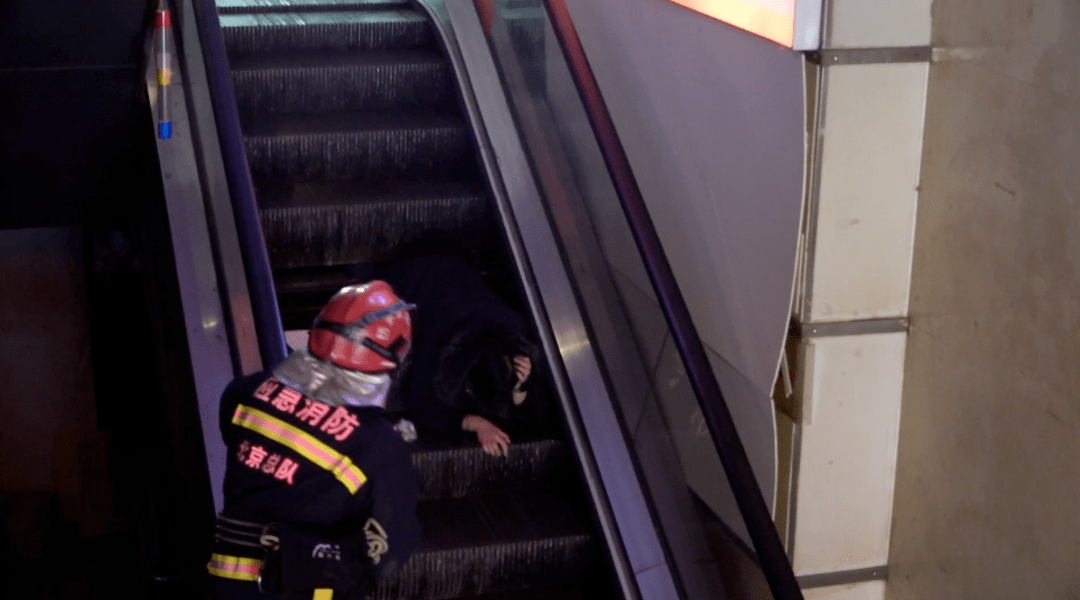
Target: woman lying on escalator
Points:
(471, 367)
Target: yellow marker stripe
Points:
(234, 567)
(323, 594)
(302, 443)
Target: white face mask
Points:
(330, 384)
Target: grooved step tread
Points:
(571, 592)
(347, 222)
(265, 6)
(350, 122)
(555, 592)
(342, 59)
(524, 13)
(500, 519)
(260, 33)
(285, 194)
(495, 544)
(469, 571)
(455, 471)
(309, 19)
(325, 280)
(317, 81)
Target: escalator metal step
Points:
(317, 81)
(574, 591)
(352, 146)
(336, 223)
(232, 7)
(468, 471)
(325, 281)
(247, 34)
(495, 544)
(471, 570)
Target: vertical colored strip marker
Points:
(162, 35)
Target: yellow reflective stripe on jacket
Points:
(234, 567)
(302, 443)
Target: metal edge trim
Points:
(803, 17)
(861, 327)
(259, 273)
(232, 278)
(814, 196)
(197, 273)
(870, 56)
(793, 489)
(818, 580)
(826, 23)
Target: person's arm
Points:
(522, 370)
(234, 393)
(393, 531)
(494, 440)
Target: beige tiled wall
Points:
(877, 23)
(857, 268)
(848, 452)
(867, 195)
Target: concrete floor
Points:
(988, 478)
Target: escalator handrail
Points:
(260, 280)
(771, 555)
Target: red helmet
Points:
(363, 328)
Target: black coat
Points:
(464, 339)
(272, 475)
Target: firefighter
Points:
(320, 492)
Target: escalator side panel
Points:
(612, 479)
(205, 319)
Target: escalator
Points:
(367, 141)
(361, 154)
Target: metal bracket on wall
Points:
(870, 56)
(862, 327)
(843, 577)
(790, 393)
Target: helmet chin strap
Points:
(390, 354)
(355, 331)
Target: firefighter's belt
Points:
(246, 534)
(296, 558)
(258, 538)
(240, 568)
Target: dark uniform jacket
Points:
(338, 479)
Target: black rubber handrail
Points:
(774, 561)
(264, 306)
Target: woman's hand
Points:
(522, 369)
(494, 440)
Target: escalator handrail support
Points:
(771, 555)
(262, 295)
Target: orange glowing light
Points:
(769, 23)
